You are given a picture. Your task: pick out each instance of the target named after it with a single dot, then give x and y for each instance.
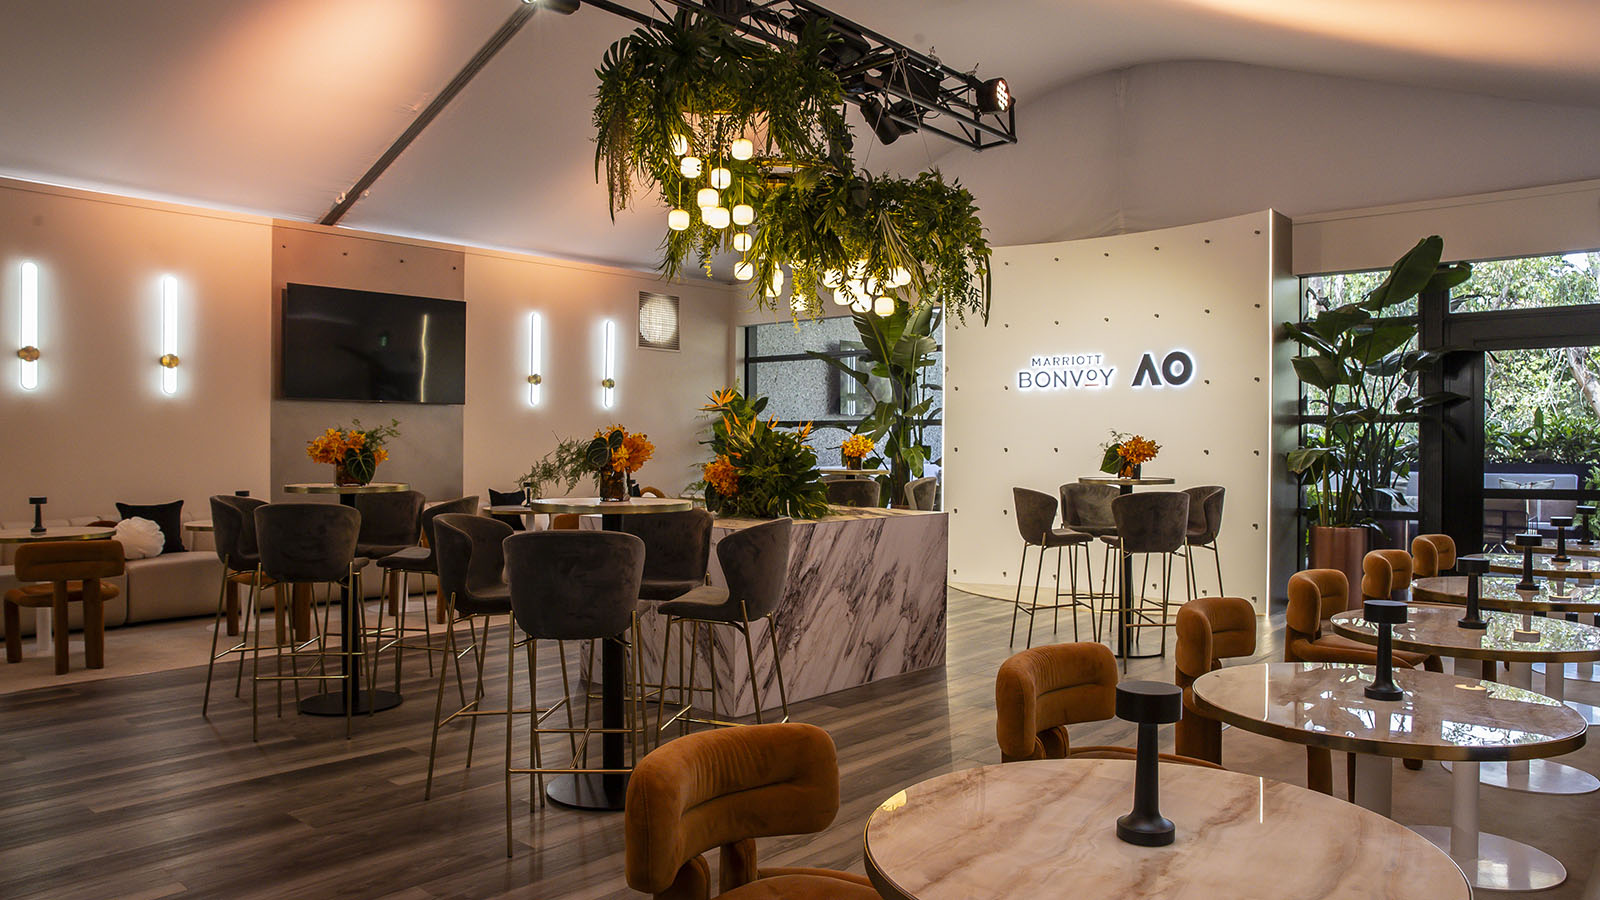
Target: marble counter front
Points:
(865, 601)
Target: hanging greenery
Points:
(697, 112)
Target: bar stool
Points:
(399, 566)
(303, 545)
(1087, 508)
(234, 534)
(1432, 554)
(677, 555)
(73, 570)
(857, 492)
(1205, 522)
(569, 586)
(1036, 516)
(755, 562)
(1209, 630)
(1155, 523)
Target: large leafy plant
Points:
(1366, 375)
(758, 469)
(899, 352)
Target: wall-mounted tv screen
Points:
(362, 345)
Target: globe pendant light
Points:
(883, 306)
(678, 219)
(721, 178)
(798, 304)
(741, 241)
(689, 167)
(775, 287)
(707, 197)
(742, 148)
(744, 271)
(832, 278)
(862, 304)
(856, 291)
(840, 298)
(743, 214)
(872, 285)
(715, 216)
(680, 145)
(900, 277)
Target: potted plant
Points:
(566, 465)
(854, 449)
(1365, 373)
(613, 455)
(1125, 454)
(758, 469)
(354, 452)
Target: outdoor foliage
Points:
(759, 470)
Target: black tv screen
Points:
(362, 345)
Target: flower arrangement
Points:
(855, 448)
(614, 454)
(758, 469)
(1125, 453)
(354, 452)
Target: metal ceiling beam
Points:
(513, 23)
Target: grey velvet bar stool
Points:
(570, 586)
(847, 491)
(308, 544)
(390, 523)
(1155, 523)
(1087, 508)
(1205, 523)
(923, 493)
(755, 563)
(677, 555)
(422, 561)
(1036, 519)
(234, 536)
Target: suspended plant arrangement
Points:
(747, 146)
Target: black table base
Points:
(332, 703)
(605, 793)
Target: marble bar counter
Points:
(865, 601)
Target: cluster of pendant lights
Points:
(856, 291)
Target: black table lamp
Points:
(1385, 614)
(1561, 523)
(241, 493)
(1585, 511)
(1529, 541)
(38, 514)
(1472, 568)
(1148, 703)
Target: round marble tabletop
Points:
(846, 470)
(1126, 482)
(1440, 717)
(328, 487)
(1582, 567)
(1500, 592)
(200, 525)
(1433, 629)
(56, 533)
(594, 505)
(1030, 829)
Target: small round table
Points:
(1441, 717)
(1580, 567)
(1125, 618)
(334, 703)
(851, 473)
(587, 791)
(200, 526)
(1047, 829)
(43, 621)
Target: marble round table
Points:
(1441, 717)
(1583, 568)
(851, 473)
(347, 492)
(43, 618)
(199, 525)
(1125, 627)
(1032, 829)
(606, 791)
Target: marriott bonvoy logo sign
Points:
(1092, 370)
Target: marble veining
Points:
(1500, 592)
(1582, 567)
(1046, 829)
(1433, 629)
(1440, 717)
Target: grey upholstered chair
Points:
(1205, 522)
(570, 586)
(233, 527)
(923, 493)
(308, 544)
(677, 551)
(390, 522)
(1036, 519)
(1155, 523)
(470, 563)
(1087, 508)
(860, 492)
(755, 563)
(398, 567)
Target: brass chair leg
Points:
(511, 690)
(566, 692)
(661, 697)
(216, 626)
(1016, 605)
(750, 654)
(536, 786)
(438, 706)
(777, 664)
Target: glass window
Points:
(1532, 282)
(1320, 293)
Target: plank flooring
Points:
(118, 788)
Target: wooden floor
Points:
(119, 788)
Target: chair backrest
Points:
(1432, 554)
(1384, 572)
(574, 585)
(1040, 691)
(564, 522)
(469, 555)
(462, 506)
(862, 492)
(1205, 512)
(723, 788)
(1088, 504)
(305, 542)
(923, 493)
(1209, 630)
(651, 490)
(233, 528)
(755, 563)
(68, 561)
(1036, 513)
(1314, 595)
(1151, 522)
(677, 545)
(391, 518)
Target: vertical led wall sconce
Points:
(535, 357)
(169, 335)
(608, 372)
(28, 333)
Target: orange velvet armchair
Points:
(1383, 572)
(1432, 554)
(1209, 630)
(722, 789)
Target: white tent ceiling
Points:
(277, 107)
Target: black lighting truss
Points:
(896, 82)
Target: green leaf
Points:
(1408, 276)
(1320, 372)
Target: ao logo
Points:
(1175, 370)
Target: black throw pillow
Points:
(508, 498)
(169, 516)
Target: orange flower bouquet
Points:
(354, 452)
(759, 469)
(1125, 453)
(614, 455)
(854, 449)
